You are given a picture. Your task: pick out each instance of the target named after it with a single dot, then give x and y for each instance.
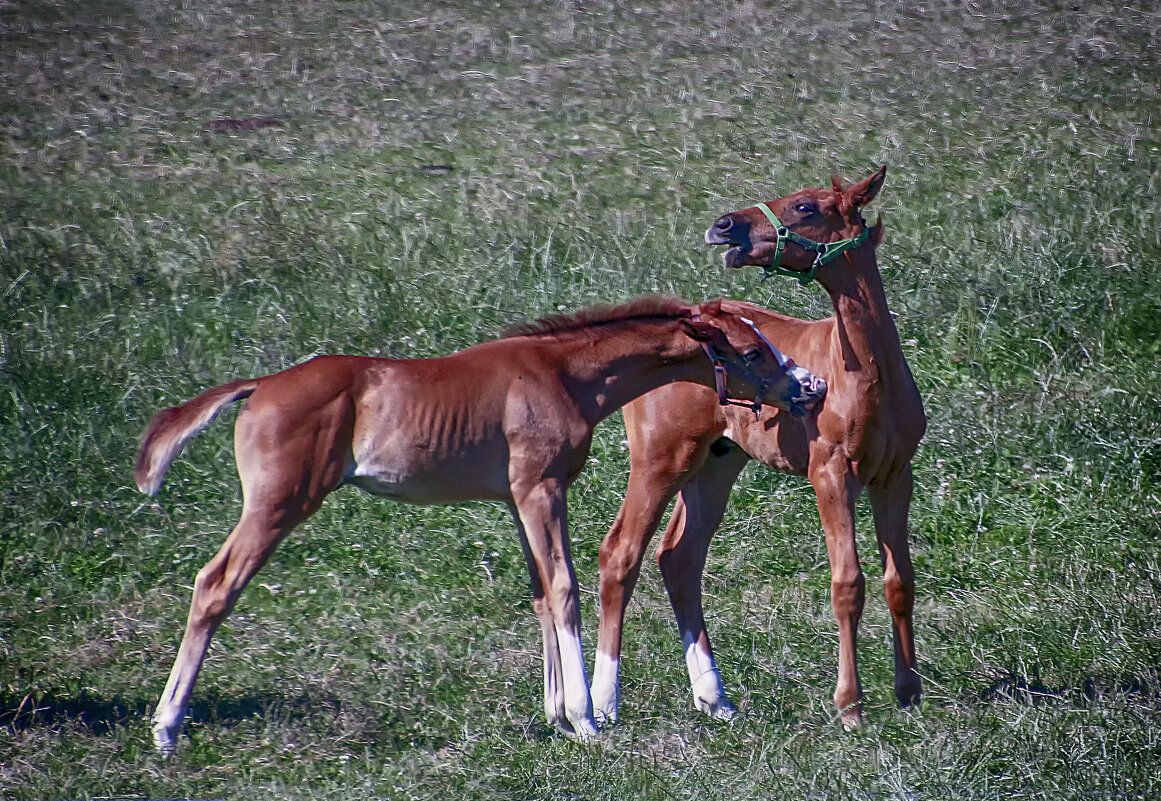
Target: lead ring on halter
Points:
(825, 251)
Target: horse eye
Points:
(804, 209)
(752, 355)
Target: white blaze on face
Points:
(808, 382)
(779, 355)
(806, 379)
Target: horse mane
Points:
(651, 306)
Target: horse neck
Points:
(605, 374)
(867, 336)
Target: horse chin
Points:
(800, 408)
(804, 407)
(734, 258)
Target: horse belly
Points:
(777, 440)
(418, 478)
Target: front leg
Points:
(553, 682)
(891, 503)
(837, 488)
(541, 515)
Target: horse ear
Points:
(712, 307)
(697, 330)
(862, 193)
(836, 184)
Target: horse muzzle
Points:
(811, 391)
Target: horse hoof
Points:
(852, 719)
(582, 730)
(720, 709)
(909, 692)
(606, 699)
(164, 742)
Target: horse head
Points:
(802, 232)
(747, 364)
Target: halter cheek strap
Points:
(825, 252)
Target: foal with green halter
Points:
(863, 437)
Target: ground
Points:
(441, 170)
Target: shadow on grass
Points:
(218, 710)
(1010, 686)
(385, 729)
(100, 715)
(97, 714)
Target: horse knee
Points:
(562, 599)
(541, 608)
(211, 602)
(218, 585)
(900, 591)
(616, 562)
(848, 594)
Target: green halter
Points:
(825, 251)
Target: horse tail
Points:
(170, 429)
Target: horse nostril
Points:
(724, 224)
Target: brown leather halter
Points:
(763, 384)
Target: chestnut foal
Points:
(509, 420)
(864, 435)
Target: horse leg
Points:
(554, 711)
(216, 589)
(662, 458)
(620, 565)
(891, 504)
(682, 555)
(837, 489)
(285, 477)
(543, 525)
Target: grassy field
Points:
(441, 170)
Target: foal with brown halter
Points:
(509, 420)
(864, 436)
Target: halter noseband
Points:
(826, 252)
(720, 371)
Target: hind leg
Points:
(216, 589)
(652, 485)
(285, 477)
(682, 556)
(662, 457)
(891, 503)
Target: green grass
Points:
(442, 170)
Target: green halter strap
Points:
(826, 252)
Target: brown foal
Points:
(864, 435)
(509, 420)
